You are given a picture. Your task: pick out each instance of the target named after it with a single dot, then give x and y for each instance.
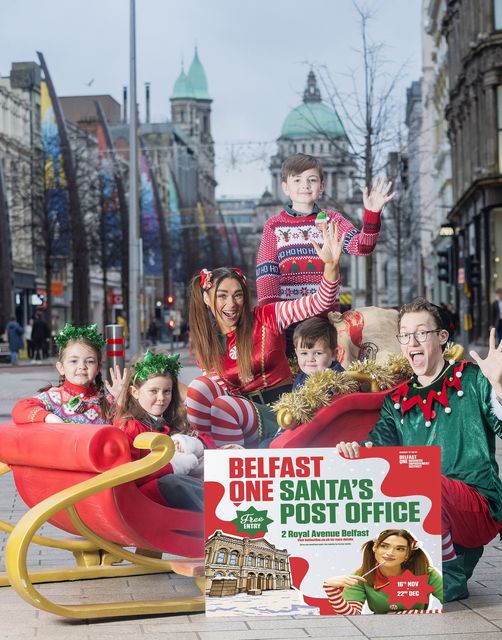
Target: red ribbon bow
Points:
(206, 279)
(239, 272)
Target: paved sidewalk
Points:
(478, 617)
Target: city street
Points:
(479, 616)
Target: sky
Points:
(256, 56)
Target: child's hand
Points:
(184, 462)
(379, 194)
(117, 381)
(188, 444)
(52, 417)
(331, 250)
(231, 446)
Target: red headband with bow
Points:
(206, 277)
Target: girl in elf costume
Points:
(243, 351)
(151, 401)
(80, 396)
(392, 553)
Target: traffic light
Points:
(473, 271)
(170, 299)
(443, 265)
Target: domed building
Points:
(191, 112)
(314, 127)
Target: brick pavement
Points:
(478, 617)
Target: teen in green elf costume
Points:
(457, 406)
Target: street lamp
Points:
(447, 229)
(134, 248)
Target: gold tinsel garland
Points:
(300, 406)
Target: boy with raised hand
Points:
(287, 265)
(457, 406)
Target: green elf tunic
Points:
(454, 412)
(378, 601)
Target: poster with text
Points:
(310, 532)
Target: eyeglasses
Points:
(420, 336)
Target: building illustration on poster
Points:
(256, 565)
(310, 532)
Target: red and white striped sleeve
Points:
(410, 611)
(359, 242)
(341, 606)
(322, 300)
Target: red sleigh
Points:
(349, 417)
(81, 479)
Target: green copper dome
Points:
(314, 118)
(197, 79)
(181, 87)
(192, 86)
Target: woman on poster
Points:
(392, 553)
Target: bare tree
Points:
(370, 113)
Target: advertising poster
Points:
(309, 532)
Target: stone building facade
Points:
(21, 166)
(255, 563)
(434, 152)
(473, 32)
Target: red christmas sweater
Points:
(269, 363)
(133, 427)
(71, 402)
(287, 264)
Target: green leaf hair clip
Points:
(156, 364)
(88, 332)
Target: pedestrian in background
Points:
(15, 338)
(496, 314)
(27, 336)
(39, 336)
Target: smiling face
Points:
(79, 364)
(154, 395)
(318, 358)
(426, 358)
(226, 302)
(304, 189)
(393, 551)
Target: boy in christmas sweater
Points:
(287, 265)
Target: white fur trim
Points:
(189, 444)
(183, 463)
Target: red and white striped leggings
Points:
(229, 419)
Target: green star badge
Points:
(252, 521)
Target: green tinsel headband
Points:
(156, 364)
(88, 332)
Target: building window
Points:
(259, 561)
(233, 557)
(250, 560)
(499, 124)
(221, 557)
(497, 14)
